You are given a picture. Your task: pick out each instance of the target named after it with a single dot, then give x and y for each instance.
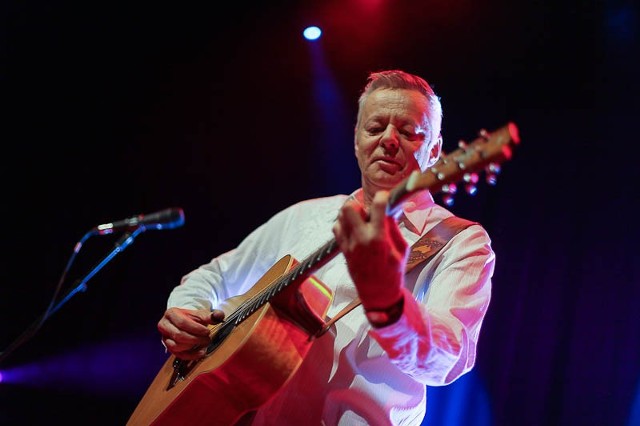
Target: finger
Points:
(217, 316)
(178, 340)
(191, 354)
(342, 227)
(352, 219)
(184, 346)
(377, 214)
(191, 322)
(166, 327)
(180, 331)
(352, 213)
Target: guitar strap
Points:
(422, 250)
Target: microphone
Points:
(164, 219)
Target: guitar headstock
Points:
(484, 154)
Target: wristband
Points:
(384, 317)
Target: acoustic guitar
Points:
(268, 330)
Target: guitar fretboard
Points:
(298, 273)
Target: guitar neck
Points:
(486, 152)
(298, 273)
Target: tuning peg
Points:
(462, 144)
(492, 171)
(471, 189)
(470, 178)
(449, 188)
(493, 168)
(483, 133)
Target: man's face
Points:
(390, 137)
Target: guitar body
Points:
(252, 362)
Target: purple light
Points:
(123, 367)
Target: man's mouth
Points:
(388, 165)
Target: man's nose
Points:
(390, 139)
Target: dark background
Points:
(111, 110)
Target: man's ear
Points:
(435, 151)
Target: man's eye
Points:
(412, 135)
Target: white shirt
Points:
(355, 374)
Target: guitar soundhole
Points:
(218, 338)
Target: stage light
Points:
(312, 33)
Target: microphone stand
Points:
(125, 241)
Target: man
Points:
(412, 330)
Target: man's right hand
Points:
(185, 333)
